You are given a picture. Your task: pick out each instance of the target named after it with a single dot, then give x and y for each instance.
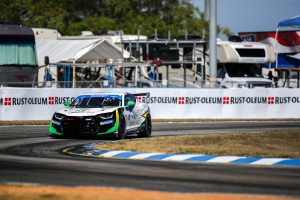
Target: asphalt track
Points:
(29, 155)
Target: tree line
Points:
(70, 17)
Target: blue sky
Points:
(253, 15)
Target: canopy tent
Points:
(293, 22)
(297, 56)
(77, 50)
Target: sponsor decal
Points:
(82, 110)
(19, 101)
(7, 101)
(138, 98)
(51, 100)
(270, 100)
(158, 100)
(226, 100)
(180, 100)
(59, 100)
(248, 100)
(203, 100)
(285, 100)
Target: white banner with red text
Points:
(165, 103)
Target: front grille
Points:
(80, 126)
(83, 126)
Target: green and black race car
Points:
(98, 114)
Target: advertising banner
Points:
(165, 103)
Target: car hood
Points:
(85, 111)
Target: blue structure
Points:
(284, 59)
(292, 22)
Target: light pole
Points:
(213, 43)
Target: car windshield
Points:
(96, 101)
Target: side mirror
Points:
(130, 103)
(67, 104)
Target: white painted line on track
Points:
(112, 153)
(144, 155)
(223, 159)
(267, 161)
(180, 157)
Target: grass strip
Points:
(24, 122)
(46, 122)
(284, 144)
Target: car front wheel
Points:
(121, 129)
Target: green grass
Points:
(25, 122)
(284, 144)
(46, 122)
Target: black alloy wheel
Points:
(146, 132)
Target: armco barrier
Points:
(165, 103)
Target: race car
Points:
(98, 114)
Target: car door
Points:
(130, 112)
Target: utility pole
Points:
(206, 9)
(74, 74)
(213, 43)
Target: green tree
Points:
(70, 17)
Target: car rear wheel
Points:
(146, 131)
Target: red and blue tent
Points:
(284, 59)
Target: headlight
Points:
(58, 116)
(106, 115)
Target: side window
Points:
(132, 98)
(127, 98)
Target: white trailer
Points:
(240, 64)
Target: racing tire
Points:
(57, 136)
(53, 136)
(121, 129)
(146, 131)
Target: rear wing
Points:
(147, 94)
